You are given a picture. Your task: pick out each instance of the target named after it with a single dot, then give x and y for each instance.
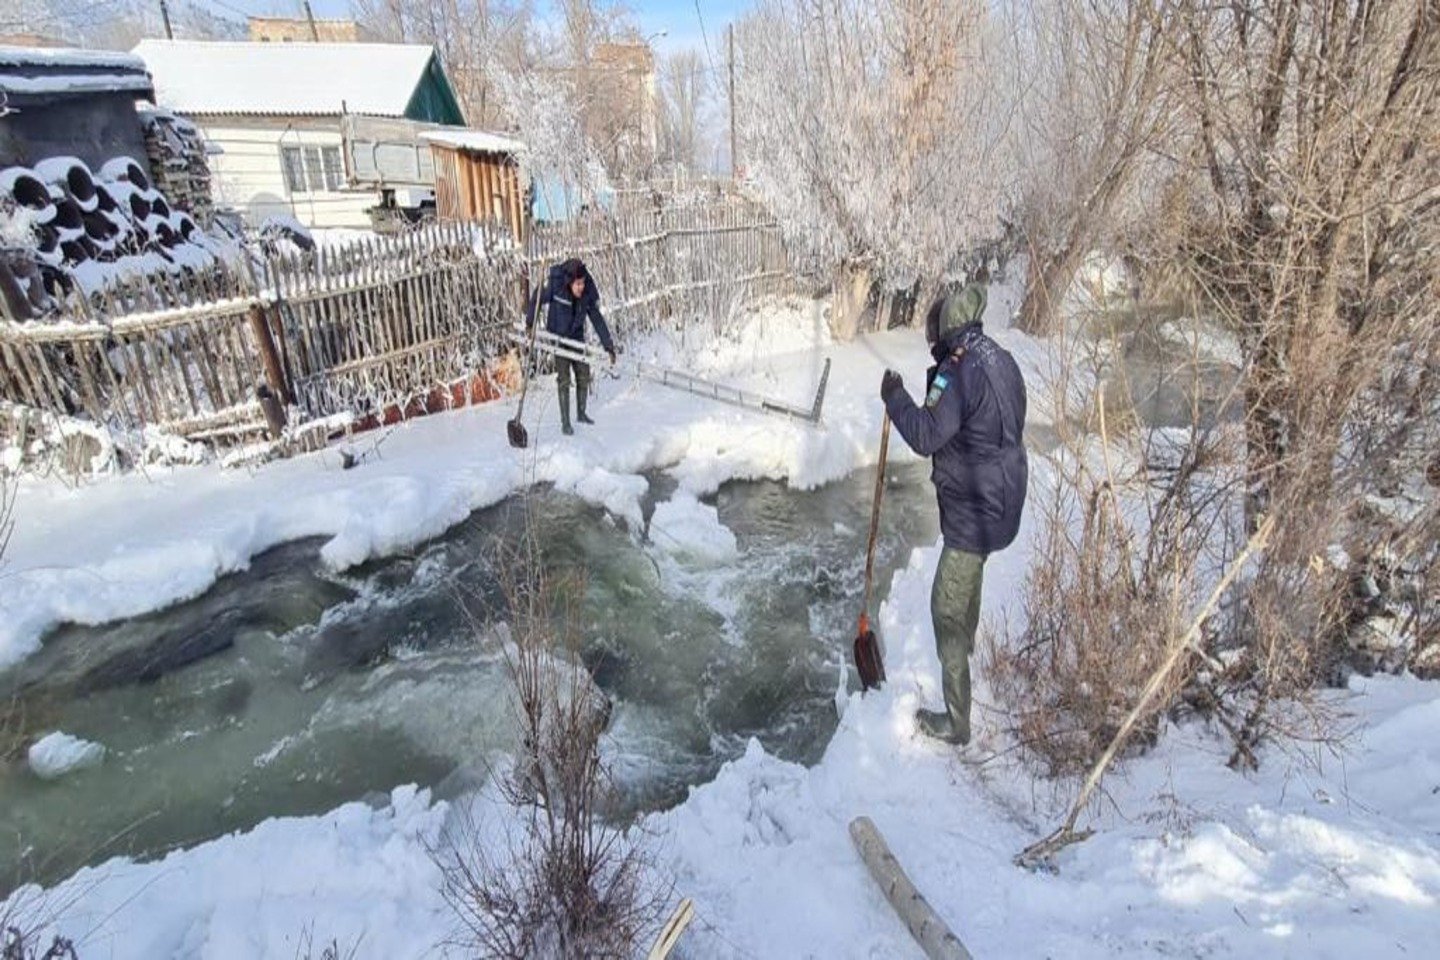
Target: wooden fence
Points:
(375, 330)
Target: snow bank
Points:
(56, 754)
(358, 875)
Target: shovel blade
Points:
(519, 437)
(867, 660)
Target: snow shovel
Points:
(867, 648)
(515, 430)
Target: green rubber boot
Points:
(582, 393)
(565, 427)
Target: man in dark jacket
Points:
(571, 296)
(972, 425)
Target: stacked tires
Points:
(65, 227)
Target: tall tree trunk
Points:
(849, 298)
(1049, 281)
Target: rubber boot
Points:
(940, 725)
(565, 427)
(582, 391)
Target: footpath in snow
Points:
(1340, 859)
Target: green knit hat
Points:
(962, 308)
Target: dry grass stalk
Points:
(564, 882)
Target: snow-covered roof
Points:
(294, 79)
(48, 57)
(477, 140)
(28, 71)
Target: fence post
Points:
(269, 356)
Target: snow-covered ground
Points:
(1336, 859)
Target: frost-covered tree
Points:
(873, 131)
(1094, 80)
(684, 85)
(474, 39)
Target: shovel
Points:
(515, 430)
(867, 647)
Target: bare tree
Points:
(872, 131)
(1298, 209)
(1311, 227)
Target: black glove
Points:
(890, 384)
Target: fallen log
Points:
(925, 925)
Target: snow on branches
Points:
(873, 129)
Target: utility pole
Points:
(734, 155)
(310, 15)
(165, 15)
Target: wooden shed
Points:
(477, 177)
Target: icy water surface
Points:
(288, 690)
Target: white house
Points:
(275, 110)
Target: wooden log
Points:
(269, 356)
(924, 924)
(274, 411)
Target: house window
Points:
(334, 173)
(312, 169)
(294, 169)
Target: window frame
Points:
(307, 168)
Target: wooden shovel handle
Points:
(875, 518)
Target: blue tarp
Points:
(554, 201)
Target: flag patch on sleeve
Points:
(937, 389)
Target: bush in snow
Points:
(564, 882)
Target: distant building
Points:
(70, 103)
(627, 110)
(275, 109)
(631, 70)
(297, 30)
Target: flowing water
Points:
(288, 690)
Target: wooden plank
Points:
(85, 353)
(200, 347)
(20, 378)
(140, 372)
(670, 934)
(180, 357)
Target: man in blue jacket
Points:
(571, 296)
(972, 425)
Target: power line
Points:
(235, 10)
(705, 37)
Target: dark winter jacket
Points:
(566, 318)
(972, 425)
